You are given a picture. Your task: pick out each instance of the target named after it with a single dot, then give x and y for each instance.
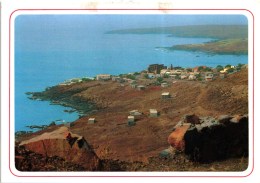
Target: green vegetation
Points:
(146, 76)
(166, 76)
(86, 79)
(178, 68)
(52, 123)
(160, 79)
(228, 66)
(202, 69)
(230, 70)
(228, 46)
(219, 68)
(129, 76)
(239, 66)
(230, 39)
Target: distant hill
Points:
(230, 39)
(202, 31)
(227, 46)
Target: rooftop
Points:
(153, 111)
(166, 93)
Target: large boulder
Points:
(75, 150)
(212, 139)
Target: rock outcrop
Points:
(75, 150)
(211, 139)
(176, 138)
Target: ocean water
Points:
(38, 67)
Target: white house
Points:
(209, 76)
(91, 120)
(131, 120)
(165, 95)
(103, 77)
(153, 113)
(192, 77)
(140, 87)
(164, 85)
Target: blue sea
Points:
(45, 58)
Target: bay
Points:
(103, 53)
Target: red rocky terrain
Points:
(114, 141)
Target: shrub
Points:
(52, 124)
(146, 76)
(219, 68)
(159, 79)
(166, 76)
(230, 70)
(86, 79)
(129, 76)
(228, 66)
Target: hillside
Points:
(227, 46)
(200, 31)
(111, 137)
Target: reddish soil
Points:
(113, 139)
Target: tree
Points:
(239, 66)
(207, 69)
(219, 68)
(129, 76)
(178, 68)
(228, 66)
(86, 79)
(200, 68)
(52, 124)
(159, 79)
(230, 70)
(204, 69)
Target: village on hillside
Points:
(187, 105)
(163, 76)
(159, 74)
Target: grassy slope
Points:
(113, 139)
(227, 46)
(233, 38)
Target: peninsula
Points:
(228, 39)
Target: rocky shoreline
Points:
(56, 96)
